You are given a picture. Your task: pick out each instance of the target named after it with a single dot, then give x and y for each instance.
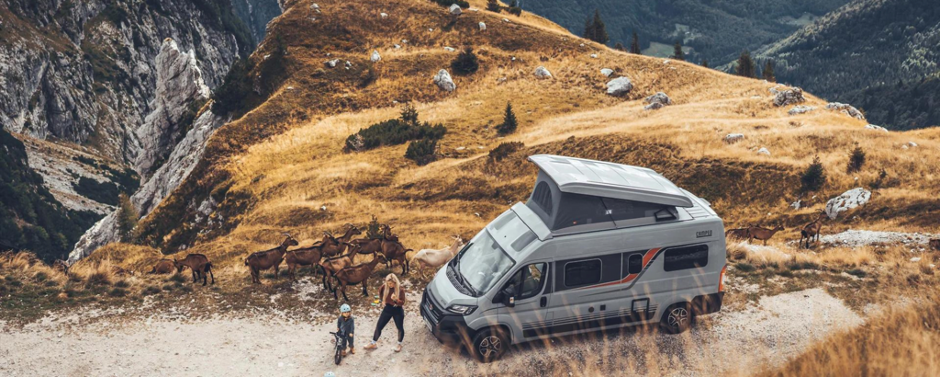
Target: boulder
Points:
(910, 144)
(444, 82)
(607, 72)
(788, 96)
(506, 20)
(619, 86)
(594, 56)
(800, 109)
(657, 101)
(764, 151)
(395, 46)
(847, 200)
(383, 15)
(331, 63)
(845, 109)
(455, 10)
(734, 138)
(314, 6)
(375, 56)
(482, 26)
(449, 49)
(542, 73)
(875, 127)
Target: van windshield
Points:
(483, 263)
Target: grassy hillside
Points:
(717, 30)
(879, 55)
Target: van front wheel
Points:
(489, 345)
(676, 319)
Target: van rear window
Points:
(585, 272)
(682, 258)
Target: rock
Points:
(581, 45)
(875, 127)
(607, 72)
(796, 204)
(594, 56)
(619, 86)
(788, 96)
(314, 6)
(348, 64)
(383, 15)
(506, 20)
(449, 49)
(375, 56)
(910, 144)
(800, 109)
(847, 200)
(734, 138)
(845, 109)
(455, 10)
(764, 151)
(331, 63)
(482, 26)
(444, 82)
(657, 101)
(666, 61)
(542, 73)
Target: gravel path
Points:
(855, 238)
(168, 343)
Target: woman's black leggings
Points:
(397, 314)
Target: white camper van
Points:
(598, 245)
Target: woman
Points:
(393, 295)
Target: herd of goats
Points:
(809, 232)
(332, 255)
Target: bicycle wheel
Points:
(338, 356)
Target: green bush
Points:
(857, 159)
(504, 150)
(118, 292)
(813, 178)
(516, 11)
(509, 121)
(494, 6)
(102, 192)
(422, 151)
(465, 63)
(394, 132)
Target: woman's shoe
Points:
(371, 346)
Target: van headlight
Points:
(462, 309)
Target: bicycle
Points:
(337, 338)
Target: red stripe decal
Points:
(630, 277)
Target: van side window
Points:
(580, 273)
(528, 281)
(543, 197)
(633, 263)
(682, 258)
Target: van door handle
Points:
(543, 302)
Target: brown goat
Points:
(336, 246)
(763, 234)
(163, 266)
(738, 233)
(271, 258)
(199, 264)
(358, 274)
(811, 231)
(333, 264)
(305, 256)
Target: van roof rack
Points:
(610, 180)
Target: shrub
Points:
(744, 267)
(504, 150)
(374, 228)
(122, 284)
(177, 278)
(493, 6)
(814, 177)
(465, 63)
(127, 216)
(509, 121)
(857, 159)
(98, 278)
(514, 10)
(151, 290)
(118, 292)
(422, 151)
(394, 132)
(102, 192)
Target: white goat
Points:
(436, 257)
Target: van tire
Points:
(489, 344)
(676, 319)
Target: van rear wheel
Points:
(489, 345)
(676, 319)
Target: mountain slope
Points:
(881, 55)
(276, 167)
(716, 30)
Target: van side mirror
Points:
(507, 297)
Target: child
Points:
(345, 328)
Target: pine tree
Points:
(635, 43)
(127, 216)
(618, 46)
(678, 51)
(409, 114)
(746, 66)
(814, 177)
(768, 72)
(493, 6)
(705, 63)
(465, 63)
(509, 121)
(595, 29)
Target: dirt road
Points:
(167, 342)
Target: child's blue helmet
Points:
(329, 374)
(345, 308)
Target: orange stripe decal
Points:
(630, 277)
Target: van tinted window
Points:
(582, 273)
(633, 263)
(543, 197)
(686, 257)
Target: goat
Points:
(764, 234)
(163, 266)
(336, 246)
(934, 244)
(263, 260)
(305, 256)
(811, 231)
(333, 264)
(436, 257)
(352, 275)
(199, 264)
(738, 233)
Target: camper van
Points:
(597, 246)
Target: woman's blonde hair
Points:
(395, 292)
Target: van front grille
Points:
(429, 304)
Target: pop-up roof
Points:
(610, 180)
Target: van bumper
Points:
(707, 304)
(448, 328)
